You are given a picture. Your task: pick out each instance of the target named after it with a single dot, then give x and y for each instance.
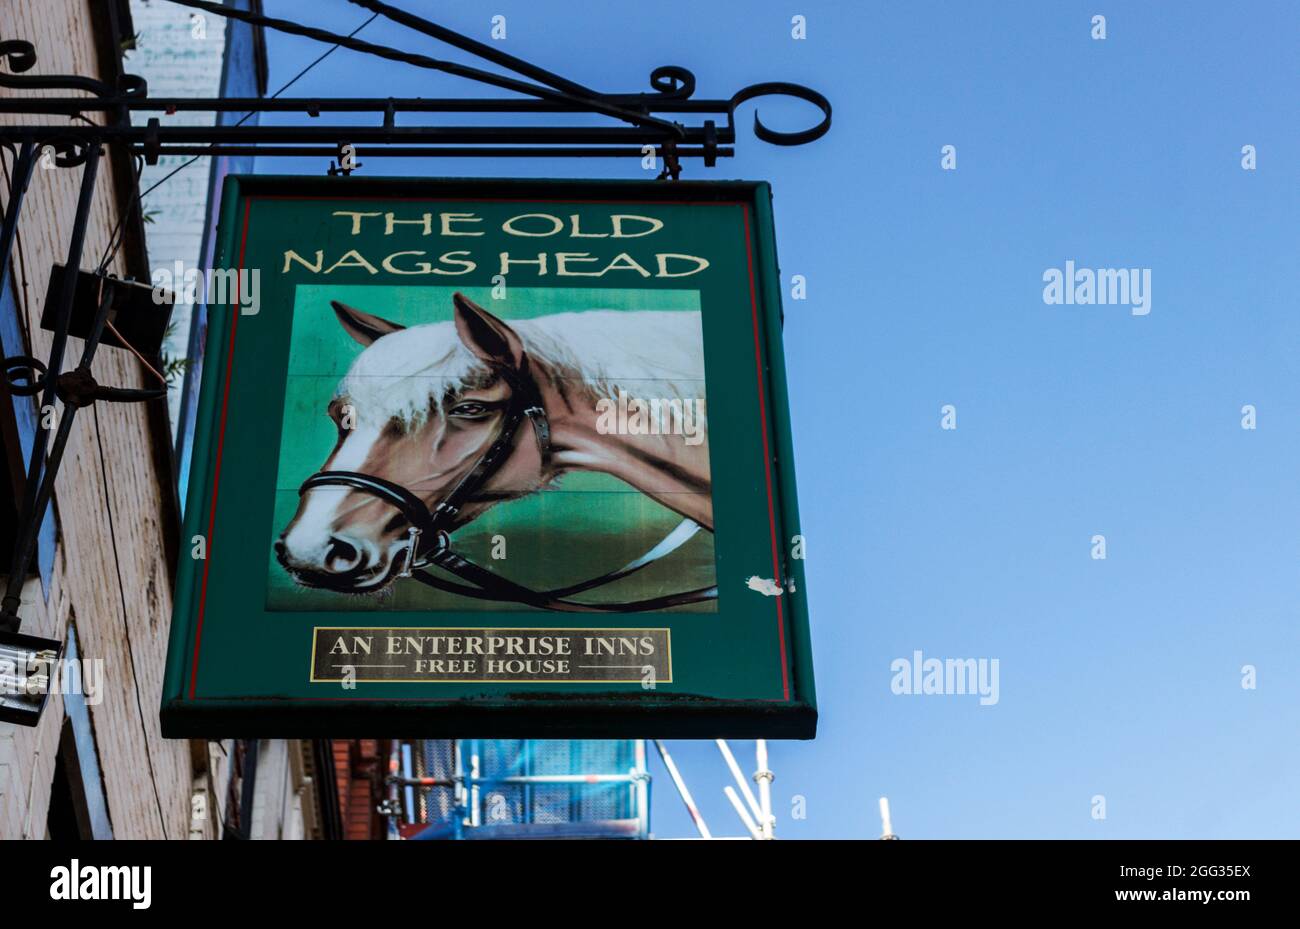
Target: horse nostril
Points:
(341, 555)
(280, 548)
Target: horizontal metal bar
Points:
(556, 779)
(430, 783)
(401, 151)
(67, 106)
(427, 783)
(582, 829)
(353, 134)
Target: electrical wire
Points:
(137, 197)
(595, 104)
(136, 352)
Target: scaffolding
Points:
(522, 788)
(517, 788)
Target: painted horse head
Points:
(418, 408)
(422, 406)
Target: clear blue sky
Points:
(1119, 677)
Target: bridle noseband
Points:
(430, 545)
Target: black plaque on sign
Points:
(418, 655)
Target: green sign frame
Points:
(257, 653)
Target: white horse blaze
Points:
(307, 540)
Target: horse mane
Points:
(644, 353)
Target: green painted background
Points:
(584, 526)
(732, 668)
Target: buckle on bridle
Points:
(442, 542)
(412, 549)
(541, 431)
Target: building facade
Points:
(96, 766)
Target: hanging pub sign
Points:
(483, 458)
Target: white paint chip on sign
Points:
(764, 585)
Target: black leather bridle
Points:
(430, 545)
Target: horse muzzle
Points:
(349, 566)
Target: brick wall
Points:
(358, 772)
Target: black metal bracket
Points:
(79, 388)
(138, 314)
(643, 123)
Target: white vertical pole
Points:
(408, 792)
(886, 822)
(641, 789)
(681, 789)
(475, 814)
(764, 778)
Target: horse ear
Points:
(364, 327)
(486, 336)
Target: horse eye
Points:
(469, 410)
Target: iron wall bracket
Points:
(83, 304)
